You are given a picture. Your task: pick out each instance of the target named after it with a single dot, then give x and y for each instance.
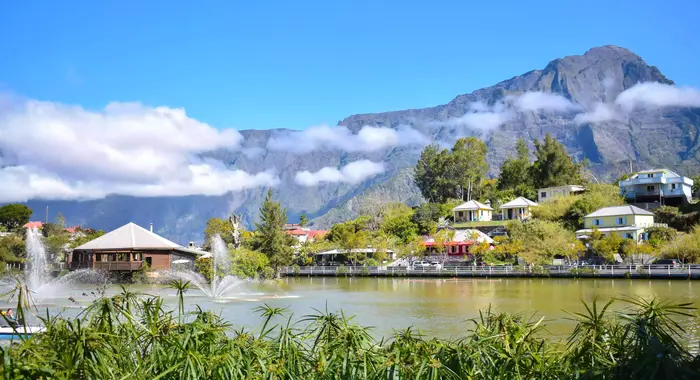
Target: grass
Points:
(134, 336)
(490, 223)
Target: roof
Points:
(668, 173)
(133, 237)
(33, 225)
(465, 236)
(571, 187)
(295, 232)
(472, 205)
(344, 251)
(618, 210)
(519, 202)
(313, 234)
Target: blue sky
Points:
(283, 64)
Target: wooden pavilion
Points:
(127, 248)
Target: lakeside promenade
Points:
(684, 272)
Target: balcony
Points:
(643, 181)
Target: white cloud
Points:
(483, 117)
(657, 95)
(55, 151)
(650, 95)
(543, 101)
(601, 112)
(367, 139)
(354, 172)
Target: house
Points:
(472, 211)
(127, 248)
(460, 243)
(658, 185)
(628, 222)
(549, 193)
(303, 234)
(341, 256)
(518, 208)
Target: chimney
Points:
(151, 227)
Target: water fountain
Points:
(38, 277)
(220, 286)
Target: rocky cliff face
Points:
(589, 85)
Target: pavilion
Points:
(127, 248)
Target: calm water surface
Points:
(438, 307)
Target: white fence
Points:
(679, 271)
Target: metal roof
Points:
(519, 202)
(133, 237)
(472, 205)
(617, 211)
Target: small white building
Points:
(549, 193)
(518, 208)
(472, 211)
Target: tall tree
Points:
(431, 174)
(14, 216)
(468, 166)
(303, 220)
(515, 170)
(269, 237)
(216, 226)
(447, 174)
(553, 165)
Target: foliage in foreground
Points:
(133, 335)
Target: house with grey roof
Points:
(629, 222)
(661, 186)
(518, 208)
(127, 249)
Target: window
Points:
(596, 222)
(460, 214)
(650, 175)
(673, 186)
(621, 220)
(543, 194)
(650, 188)
(628, 236)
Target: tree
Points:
(468, 166)
(457, 173)
(542, 240)
(515, 171)
(216, 226)
(430, 174)
(303, 220)
(14, 216)
(269, 238)
(553, 166)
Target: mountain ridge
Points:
(595, 79)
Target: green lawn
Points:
(491, 223)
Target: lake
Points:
(438, 307)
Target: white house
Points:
(518, 208)
(549, 193)
(472, 211)
(658, 185)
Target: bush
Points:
(132, 335)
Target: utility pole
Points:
(631, 171)
(47, 214)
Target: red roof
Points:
(72, 229)
(34, 225)
(296, 232)
(313, 234)
(451, 243)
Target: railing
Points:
(642, 181)
(648, 270)
(107, 265)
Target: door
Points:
(149, 261)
